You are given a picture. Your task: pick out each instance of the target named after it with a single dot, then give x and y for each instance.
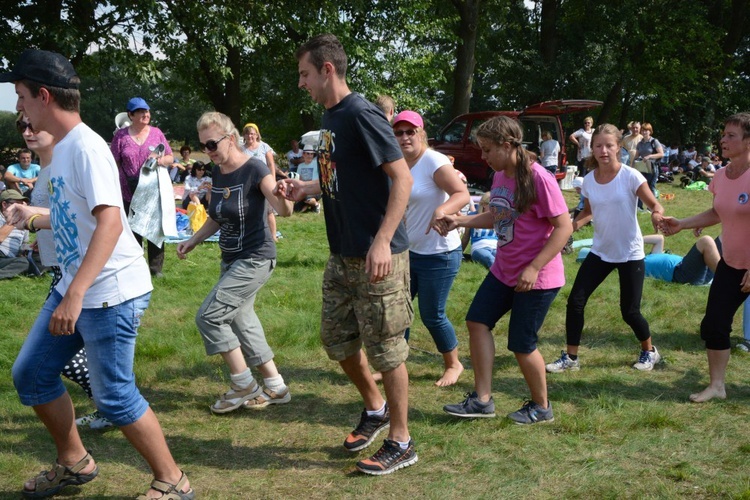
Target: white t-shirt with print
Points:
(44, 238)
(83, 176)
(617, 236)
(308, 171)
(584, 143)
(425, 197)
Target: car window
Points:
(454, 132)
(534, 127)
(474, 127)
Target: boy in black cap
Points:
(104, 290)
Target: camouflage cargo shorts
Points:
(357, 312)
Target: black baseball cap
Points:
(43, 67)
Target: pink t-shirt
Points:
(130, 156)
(520, 238)
(732, 203)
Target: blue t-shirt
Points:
(661, 265)
(29, 173)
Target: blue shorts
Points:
(109, 334)
(692, 270)
(494, 299)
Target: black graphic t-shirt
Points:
(239, 206)
(355, 140)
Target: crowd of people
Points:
(392, 209)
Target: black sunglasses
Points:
(21, 126)
(211, 145)
(409, 132)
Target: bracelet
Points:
(30, 223)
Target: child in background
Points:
(483, 241)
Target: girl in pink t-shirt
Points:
(530, 217)
(731, 285)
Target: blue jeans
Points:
(109, 337)
(431, 278)
(484, 256)
(494, 299)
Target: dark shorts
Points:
(494, 299)
(356, 312)
(693, 270)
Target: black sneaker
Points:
(367, 430)
(471, 407)
(389, 458)
(532, 413)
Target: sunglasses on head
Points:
(211, 145)
(21, 126)
(409, 132)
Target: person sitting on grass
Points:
(532, 223)
(197, 186)
(483, 241)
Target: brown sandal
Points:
(64, 476)
(170, 491)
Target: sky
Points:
(7, 97)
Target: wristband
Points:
(30, 223)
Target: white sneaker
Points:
(647, 360)
(563, 364)
(743, 346)
(94, 420)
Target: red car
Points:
(458, 138)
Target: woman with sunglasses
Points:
(76, 370)
(433, 259)
(197, 186)
(131, 147)
(226, 319)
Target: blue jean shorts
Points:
(109, 335)
(494, 299)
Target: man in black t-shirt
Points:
(365, 184)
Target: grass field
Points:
(618, 433)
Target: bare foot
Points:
(377, 376)
(450, 376)
(708, 393)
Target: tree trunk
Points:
(548, 31)
(232, 102)
(613, 98)
(463, 75)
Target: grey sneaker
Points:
(269, 397)
(647, 360)
(389, 458)
(532, 413)
(743, 346)
(471, 407)
(236, 397)
(562, 364)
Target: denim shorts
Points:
(109, 335)
(357, 312)
(494, 299)
(693, 270)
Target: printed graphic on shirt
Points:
(327, 168)
(63, 225)
(504, 214)
(230, 213)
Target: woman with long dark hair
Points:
(531, 219)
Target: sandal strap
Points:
(166, 488)
(61, 472)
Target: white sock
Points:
(275, 384)
(244, 379)
(378, 413)
(405, 445)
